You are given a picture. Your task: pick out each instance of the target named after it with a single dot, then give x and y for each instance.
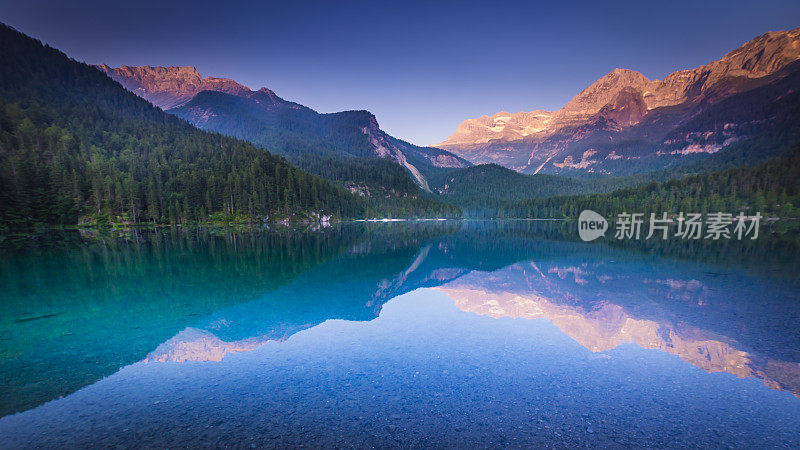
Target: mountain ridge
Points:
(566, 139)
(169, 87)
(290, 129)
(78, 148)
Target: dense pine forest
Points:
(329, 145)
(77, 147)
(485, 189)
(772, 188)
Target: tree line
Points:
(77, 147)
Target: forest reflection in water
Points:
(78, 308)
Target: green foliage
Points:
(772, 188)
(375, 174)
(487, 190)
(75, 146)
(332, 146)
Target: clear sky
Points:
(420, 67)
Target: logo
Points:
(715, 226)
(591, 225)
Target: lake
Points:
(454, 334)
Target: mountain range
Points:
(626, 123)
(83, 144)
(78, 148)
(623, 128)
(344, 141)
(168, 87)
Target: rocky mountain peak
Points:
(626, 108)
(619, 100)
(169, 87)
(606, 89)
(763, 55)
(760, 57)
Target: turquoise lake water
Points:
(498, 334)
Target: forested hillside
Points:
(329, 145)
(772, 188)
(347, 147)
(75, 146)
(485, 189)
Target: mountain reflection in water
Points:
(589, 316)
(576, 293)
(230, 301)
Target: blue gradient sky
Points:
(421, 67)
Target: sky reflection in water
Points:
(400, 335)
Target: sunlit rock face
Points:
(504, 126)
(618, 101)
(758, 58)
(500, 126)
(168, 87)
(171, 87)
(599, 326)
(605, 92)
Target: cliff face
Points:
(760, 57)
(616, 102)
(225, 106)
(169, 87)
(605, 91)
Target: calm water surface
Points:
(420, 334)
